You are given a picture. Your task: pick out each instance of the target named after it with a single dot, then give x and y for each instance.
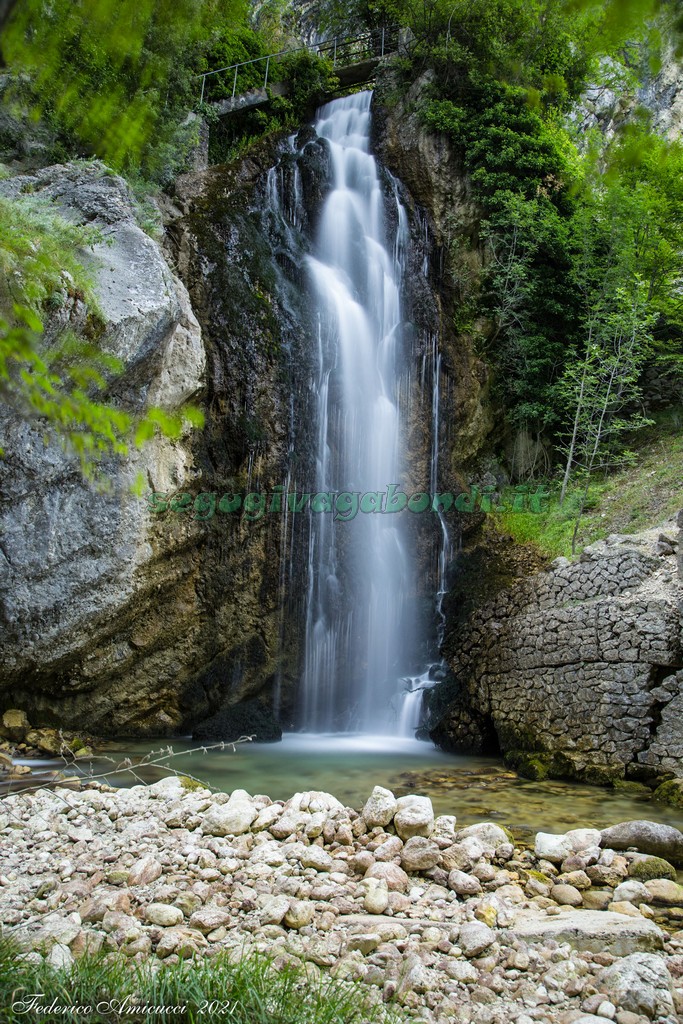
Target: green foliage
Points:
(233, 45)
(40, 259)
(59, 382)
(521, 167)
(116, 78)
(246, 991)
(309, 77)
(628, 231)
(505, 74)
(624, 501)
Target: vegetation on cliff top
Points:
(581, 228)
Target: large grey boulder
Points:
(591, 930)
(126, 621)
(647, 837)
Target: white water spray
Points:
(358, 636)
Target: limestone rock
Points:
(419, 854)
(463, 884)
(396, 878)
(647, 837)
(300, 914)
(209, 918)
(566, 895)
(75, 581)
(144, 871)
(474, 938)
(376, 900)
(554, 848)
(639, 983)
(316, 857)
(273, 909)
(380, 807)
(163, 915)
(665, 893)
(444, 831)
(231, 819)
(366, 942)
(461, 971)
(490, 836)
(632, 892)
(591, 930)
(585, 634)
(57, 930)
(414, 816)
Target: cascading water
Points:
(358, 636)
(360, 655)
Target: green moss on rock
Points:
(540, 877)
(670, 793)
(646, 868)
(534, 766)
(632, 788)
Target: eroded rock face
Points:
(427, 165)
(125, 622)
(575, 671)
(83, 593)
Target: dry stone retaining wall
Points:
(578, 665)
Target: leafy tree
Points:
(620, 240)
(603, 389)
(115, 77)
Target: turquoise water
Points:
(472, 788)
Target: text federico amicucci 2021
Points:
(345, 505)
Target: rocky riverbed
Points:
(450, 924)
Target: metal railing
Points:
(344, 52)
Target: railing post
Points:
(265, 83)
(201, 98)
(234, 84)
(382, 42)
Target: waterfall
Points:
(358, 636)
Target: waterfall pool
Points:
(348, 766)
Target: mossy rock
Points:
(540, 877)
(190, 784)
(670, 793)
(534, 766)
(538, 765)
(601, 774)
(646, 868)
(632, 788)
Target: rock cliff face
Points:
(87, 591)
(428, 167)
(114, 619)
(576, 671)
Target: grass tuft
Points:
(248, 990)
